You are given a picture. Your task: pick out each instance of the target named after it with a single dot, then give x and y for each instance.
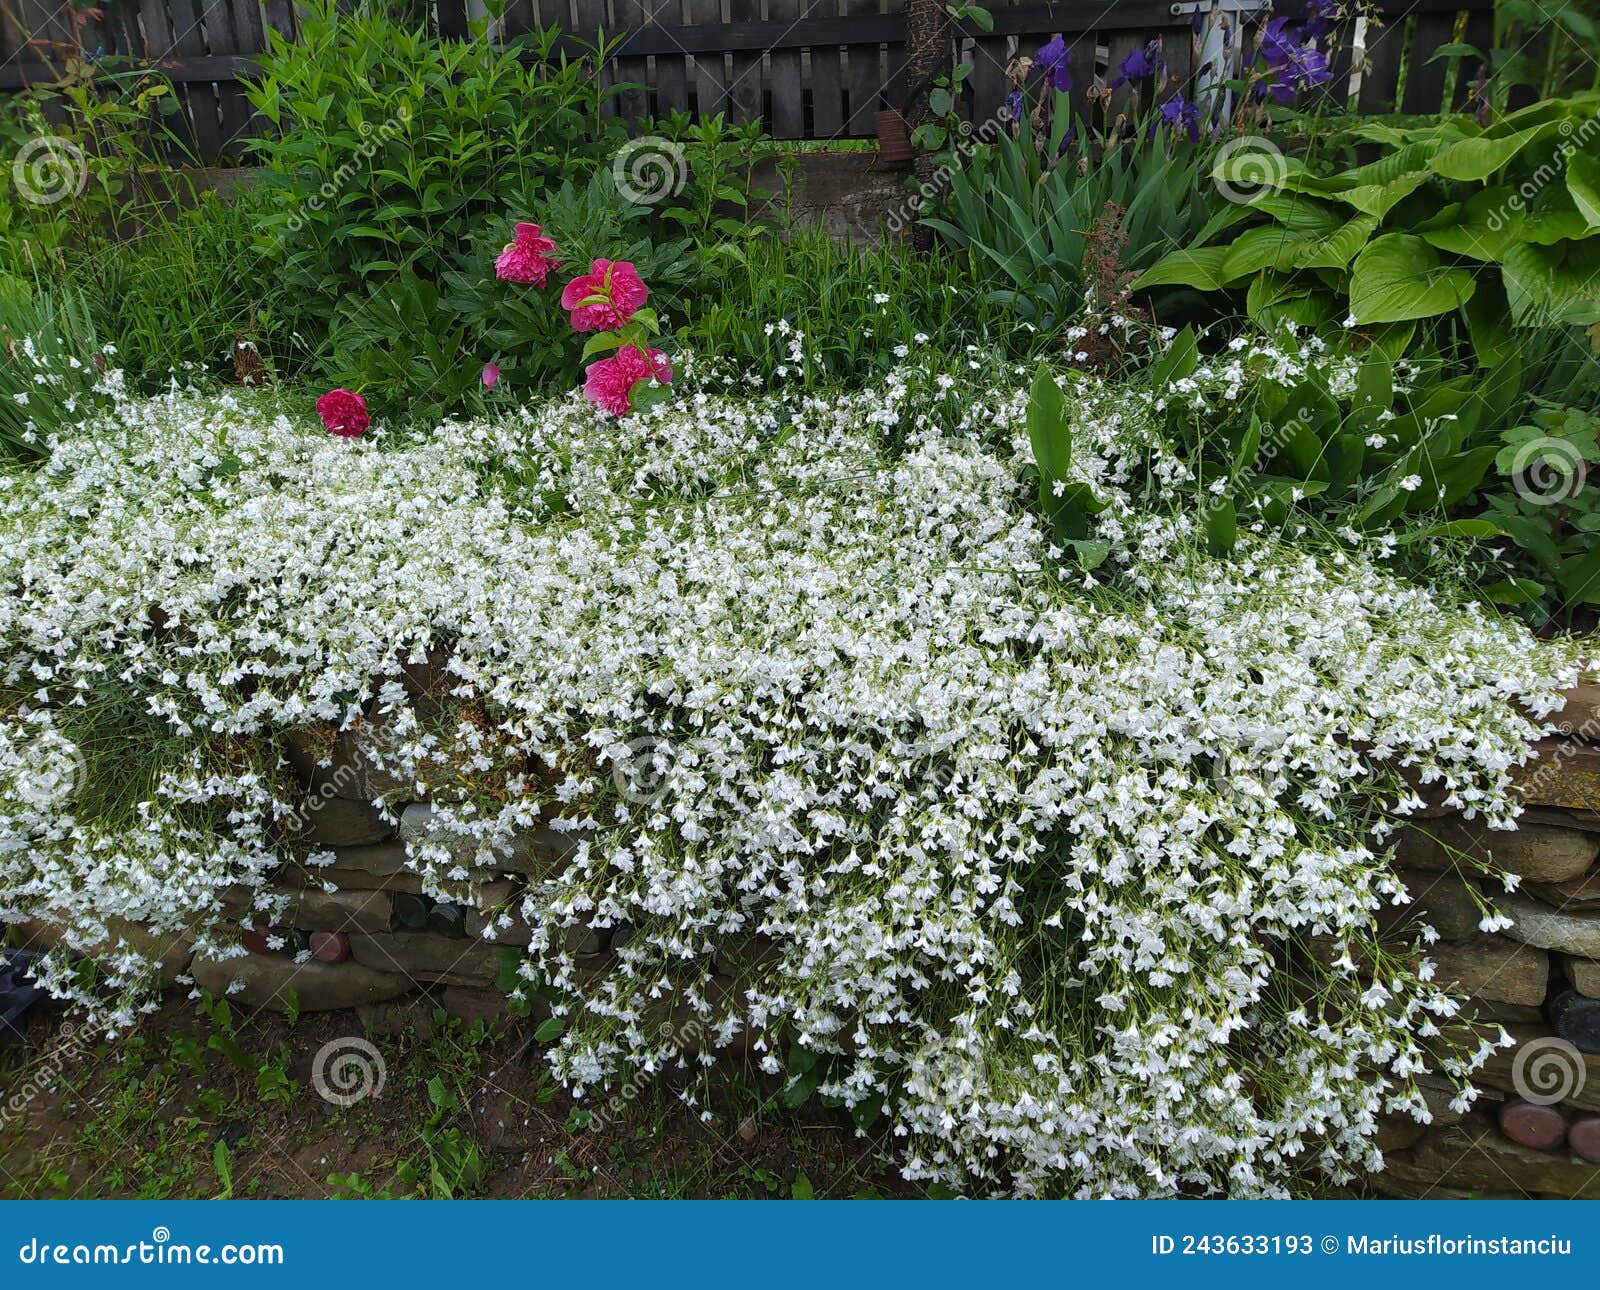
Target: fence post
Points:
(927, 43)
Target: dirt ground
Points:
(220, 1103)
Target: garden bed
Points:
(766, 730)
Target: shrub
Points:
(394, 150)
(1025, 208)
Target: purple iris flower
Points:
(1293, 64)
(1052, 58)
(1181, 114)
(1320, 16)
(1140, 64)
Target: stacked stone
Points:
(361, 932)
(1536, 1129)
(369, 937)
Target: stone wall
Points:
(361, 934)
(1536, 1129)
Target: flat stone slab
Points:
(534, 852)
(1538, 852)
(1493, 968)
(340, 822)
(1441, 900)
(1565, 772)
(421, 957)
(1584, 975)
(1473, 1156)
(1574, 932)
(170, 951)
(313, 910)
(1544, 1066)
(269, 980)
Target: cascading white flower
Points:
(1028, 856)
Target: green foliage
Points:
(87, 156)
(1386, 455)
(1550, 512)
(186, 290)
(394, 151)
(50, 361)
(716, 191)
(1024, 208)
(1495, 226)
(522, 329)
(1550, 46)
(1069, 504)
(806, 308)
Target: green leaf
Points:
(1091, 552)
(1177, 361)
(1583, 182)
(508, 978)
(1048, 431)
(1513, 591)
(599, 343)
(1222, 526)
(1456, 51)
(1481, 228)
(1198, 267)
(550, 1029)
(1471, 528)
(1399, 277)
(1479, 158)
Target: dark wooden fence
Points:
(811, 69)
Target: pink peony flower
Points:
(491, 374)
(344, 413)
(527, 258)
(618, 282)
(611, 381)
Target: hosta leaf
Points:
(1481, 228)
(1583, 182)
(1477, 159)
(1555, 285)
(1399, 277)
(1199, 267)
